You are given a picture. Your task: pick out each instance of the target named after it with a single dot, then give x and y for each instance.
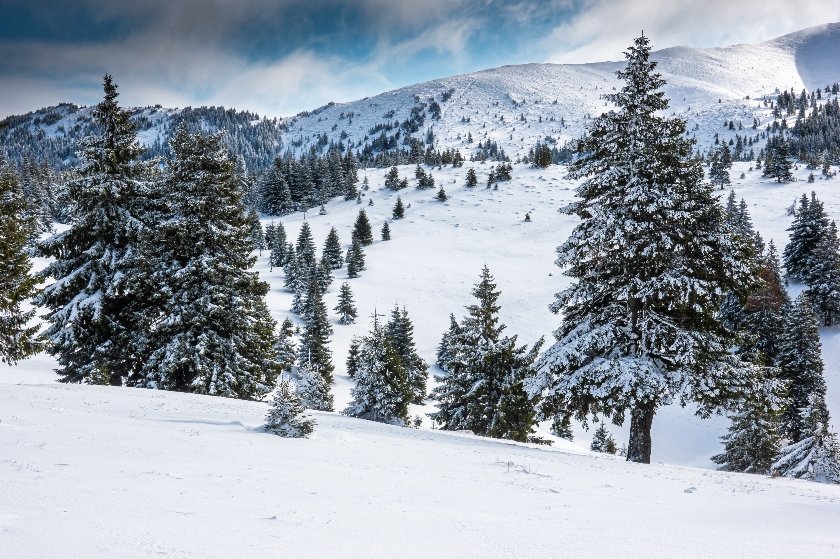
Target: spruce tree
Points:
(313, 389)
(446, 350)
(353, 357)
(752, 442)
(392, 179)
(483, 388)
(286, 415)
(472, 179)
(400, 331)
(441, 195)
(277, 244)
(332, 249)
(386, 232)
(382, 392)
(808, 227)
(213, 333)
(779, 164)
(762, 317)
(18, 339)
(602, 440)
(305, 247)
(650, 257)
(823, 277)
(362, 230)
(256, 231)
(285, 346)
(314, 352)
(95, 313)
(399, 209)
(346, 308)
(801, 366)
(816, 455)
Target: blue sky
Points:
(281, 57)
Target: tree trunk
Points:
(641, 420)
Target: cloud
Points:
(602, 29)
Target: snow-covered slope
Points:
(102, 472)
(706, 86)
(436, 254)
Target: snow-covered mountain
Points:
(514, 106)
(706, 86)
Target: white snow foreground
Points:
(116, 472)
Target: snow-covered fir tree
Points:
(650, 257)
(312, 388)
(257, 234)
(809, 226)
(18, 339)
(314, 351)
(277, 244)
(386, 232)
(332, 249)
(211, 330)
(823, 276)
(305, 247)
(400, 331)
(285, 345)
(346, 307)
(778, 164)
(95, 309)
(382, 392)
(353, 356)
(801, 365)
(472, 179)
(399, 210)
(602, 440)
(441, 195)
(483, 386)
(752, 442)
(762, 316)
(286, 415)
(362, 230)
(816, 455)
(355, 259)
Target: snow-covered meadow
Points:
(117, 472)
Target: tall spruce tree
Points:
(650, 257)
(801, 366)
(382, 391)
(823, 276)
(483, 388)
(386, 232)
(212, 332)
(753, 440)
(314, 352)
(277, 244)
(346, 308)
(400, 331)
(809, 226)
(399, 210)
(285, 345)
(778, 164)
(18, 339)
(332, 249)
(362, 230)
(95, 308)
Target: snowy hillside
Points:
(112, 472)
(513, 106)
(438, 250)
(706, 86)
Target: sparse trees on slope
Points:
(286, 415)
(213, 333)
(95, 313)
(602, 440)
(18, 339)
(650, 258)
(483, 388)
